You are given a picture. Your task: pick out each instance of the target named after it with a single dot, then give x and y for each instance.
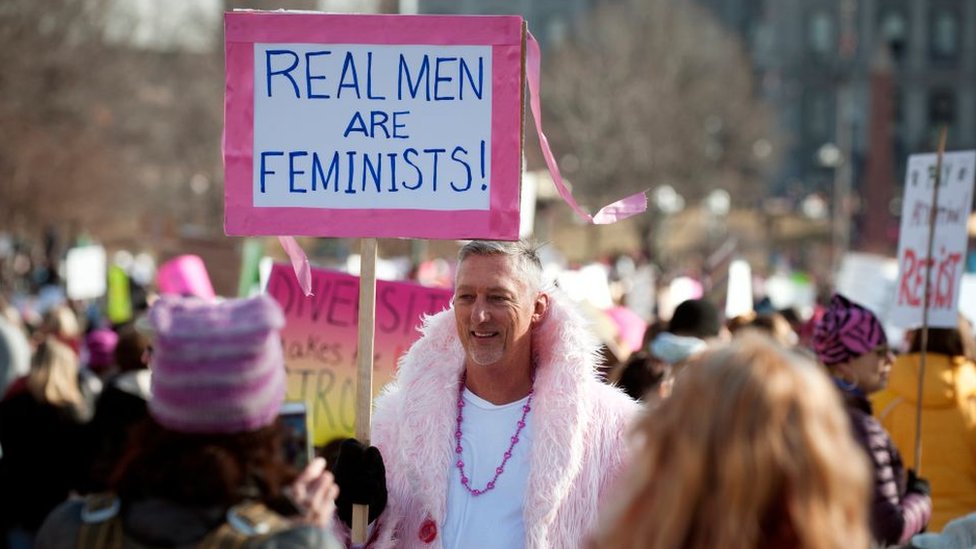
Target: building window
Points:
(942, 113)
(820, 33)
(942, 107)
(944, 34)
(819, 118)
(894, 30)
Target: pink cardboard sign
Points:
(320, 338)
(373, 125)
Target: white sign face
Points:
(372, 126)
(85, 272)
(967, 297)
(944, 268)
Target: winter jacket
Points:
(158, 523)
(578, 448)
(948, 428)
(121, 406)
(38, 469)
(895, 515)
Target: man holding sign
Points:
(496, 431)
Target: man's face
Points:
(495, 311)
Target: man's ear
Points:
(540, 308)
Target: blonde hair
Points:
(753, 449)
(53, 377)
(61, 321)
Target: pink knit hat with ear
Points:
(217, 367)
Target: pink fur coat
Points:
(578, 449)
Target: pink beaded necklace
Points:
(465, 481)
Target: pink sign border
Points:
(505, 36)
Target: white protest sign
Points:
(407, 123)
(944, 269)
(85, 272)
(967, 296)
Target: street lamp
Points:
(831, 156)
(668, 202)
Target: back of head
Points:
(53, 377)
(217, 367)
(101, 343)
(62, 323)
(218, 383)
(525, 257)
(130, 351)
(956, 341)
(753, 449)
(696, 318)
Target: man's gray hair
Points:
(525, 254)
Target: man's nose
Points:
(479, 313)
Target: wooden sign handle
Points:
(924, 343)
(364, 367)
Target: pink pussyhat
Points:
(217, 367)
(185, 275)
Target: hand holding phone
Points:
(314, 493)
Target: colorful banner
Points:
(373, 125)
(320, 339)
(944, 268)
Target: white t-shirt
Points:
(494, 518)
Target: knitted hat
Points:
(101, 343)
(216, 367)
(696, 318)
(846, 331)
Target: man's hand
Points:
(314, 493)
(361, 476)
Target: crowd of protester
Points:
(764, 430)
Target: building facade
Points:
(824, 63)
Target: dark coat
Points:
(896, 515)
(156, 523)
(40, 465)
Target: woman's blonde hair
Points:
(53, 377)
(752, 450)
(62, 322)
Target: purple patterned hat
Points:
(217, 367)
(846, 331)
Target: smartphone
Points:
(297, 434)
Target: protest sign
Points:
(85, 272)
(967, 297)
(373, 125)
(320, 333)
(185, 275)
(119, 303)
(945, 266)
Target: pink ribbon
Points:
(611, 213)
(299, 262)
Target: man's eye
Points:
(498, 298)
(464, 297)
